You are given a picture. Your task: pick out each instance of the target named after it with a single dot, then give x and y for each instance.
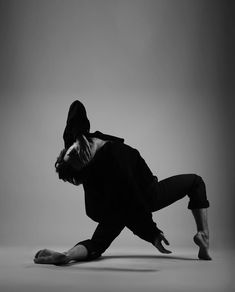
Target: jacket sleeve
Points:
(138, 217)
(136, 212)
(105, 232)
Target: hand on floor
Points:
(158, 243)
(47, 256)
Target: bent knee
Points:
(198, 179)
(198, 197)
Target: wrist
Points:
(66, 253)
(78, 252)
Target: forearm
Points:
(140, 222)
(77, 253)
(103, 236)
(93, 248)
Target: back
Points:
(117, 176)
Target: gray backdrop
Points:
(157, 73)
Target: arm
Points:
(127, 165)
(140, 221)
(105, 233)
(85, 250)
(138, 217)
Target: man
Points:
(120, 191)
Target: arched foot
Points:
(202, 240)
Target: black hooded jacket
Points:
(77, 124)
(116, 185)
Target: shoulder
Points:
(118, 148)
(114, 154)
(121, 154)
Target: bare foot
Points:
(202, 240)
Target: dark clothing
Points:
(121, 191)
(77, 124)
(172, 189)
(116, 184)
(105, 137)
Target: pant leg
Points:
(172, 189)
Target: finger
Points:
(165, 240)
(42, 260)
(82, 159)
(45, 252)
(37, 254)
(162, 249)
(87, 154)
(41, 253)
(87, 147)
(56, 259)
(86, 142)
(167, 251)
(84, 156)
(37, 260)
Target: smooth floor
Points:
(137, 270)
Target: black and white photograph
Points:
(117, 140)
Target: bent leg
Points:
(175, 188)
(172, 189)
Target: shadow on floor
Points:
(132, 267)
(170, 257)
(114, 269)
(79, 266)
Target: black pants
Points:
(161, 194)
(174, 188)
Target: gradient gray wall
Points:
(154, 72)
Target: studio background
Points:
(157, 73)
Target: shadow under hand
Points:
(116, 269)
(155, 257)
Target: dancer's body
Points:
(120, 191)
